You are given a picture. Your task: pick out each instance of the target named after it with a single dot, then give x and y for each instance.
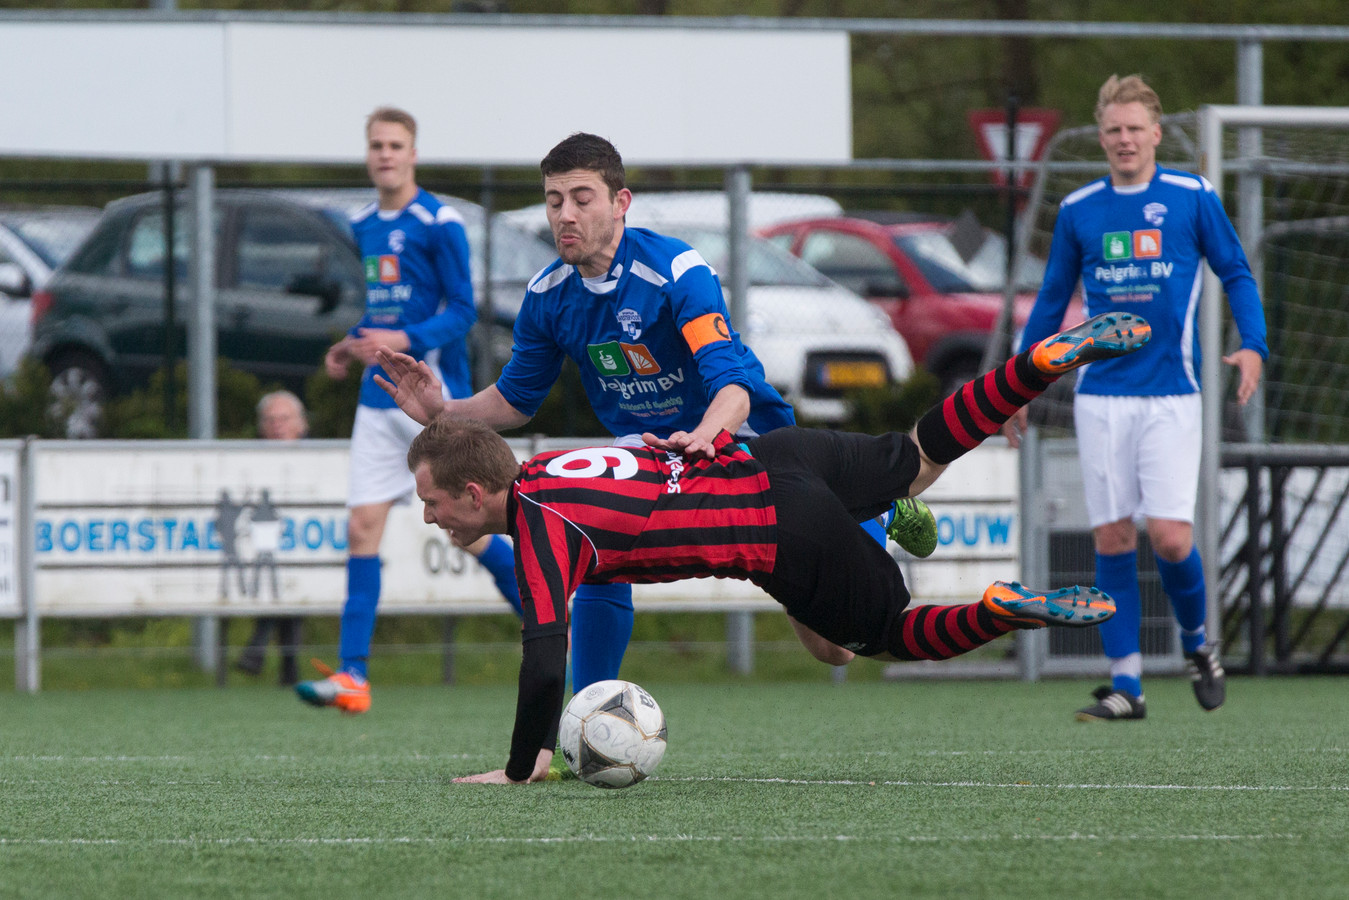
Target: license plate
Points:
(852, 374)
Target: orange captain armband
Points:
(704, 330)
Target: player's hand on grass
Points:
(683, 443)
(498, 776)
(411, 384)
(1249, 366)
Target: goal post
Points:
(1285, 146)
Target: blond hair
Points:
(394, 115)
(1129, 89)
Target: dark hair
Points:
(590, 152)
(462, 450)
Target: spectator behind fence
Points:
(281, 417)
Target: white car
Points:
(33, 243)
(816, 340)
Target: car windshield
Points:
(52, 238)
(984, 273)
(769, 265)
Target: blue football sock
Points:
(499, 560)
(1126, 674)
(1184, 585)
(1117, 575)
(601, 626)
(874, 528)
(358, 614)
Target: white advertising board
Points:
(255, 90)
(10, 604)
(975, 503)
(235, 528)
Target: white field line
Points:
(863, 754)
(732, 779)
(1010, 784)
(640, 839)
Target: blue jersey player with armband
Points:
(645, 319)
(1137, 239)
(419, 300)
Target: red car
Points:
(939, 280)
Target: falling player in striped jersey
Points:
(779, 510)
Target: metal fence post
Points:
(737, 242)
(201, 351)
(740, 641)
(27, 630)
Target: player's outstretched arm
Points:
(411, 384)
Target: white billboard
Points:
(246, 528)
(255, 90)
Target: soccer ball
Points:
(612, 734)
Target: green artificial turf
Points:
(910, 789)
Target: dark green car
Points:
(289, 282)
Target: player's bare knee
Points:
(1114, 538)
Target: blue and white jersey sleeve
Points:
(697, 301)
(536, 356)
(1222, 249)
(449, 257)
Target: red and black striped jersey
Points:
(637, 515)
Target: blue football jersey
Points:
(417, 280)
(652, 338)
(1139, 249)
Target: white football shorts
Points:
(380, 439)
(1139, 456)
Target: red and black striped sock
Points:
(977, 411)
(941, 632)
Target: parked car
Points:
(288, 277)
(816, 340)
(33, 242)
(939, 280)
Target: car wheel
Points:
(78, 393)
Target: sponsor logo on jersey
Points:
(640, 358)
(1155, 213)
(1147, 244)
(631, 323)
(383, 269)
(1143, 244)
(1116, 245)
(617, 358)
(609, 359)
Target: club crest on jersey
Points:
(631, 323)
(396, 240)
(1155, 213)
